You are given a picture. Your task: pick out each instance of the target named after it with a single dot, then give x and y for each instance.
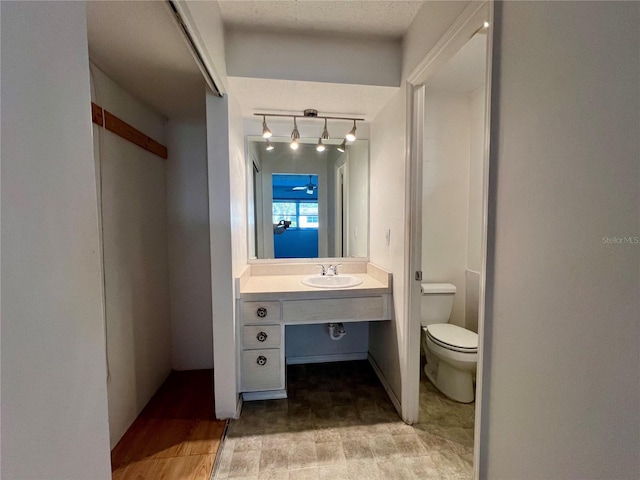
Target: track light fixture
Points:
(269, 145)
(295, 134)
(325, 136)
(266, 133)
(325, 132)
(351, 136)
(343, 146)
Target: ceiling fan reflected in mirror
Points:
(309, 187)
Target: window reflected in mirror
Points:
(295, 215)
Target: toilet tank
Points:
(437, 302)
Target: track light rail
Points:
(349, 119)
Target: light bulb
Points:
(266, 133)
(320, 146)
(485, 24)
(294, 144)
(343, 146)
(269, 145)
(351, 136)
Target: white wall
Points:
(223, 304)
(238, 183)
(475, 222)
(452, 197)
(387, 180)
(561, 389)
(476, 162)
(358, 201)
(189, 249)
(134, 234)
(336, 59)
(54, 391)
(227, 214)
(125, 106)
(445, 193)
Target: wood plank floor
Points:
(176, 436)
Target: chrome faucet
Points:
(334, 269)
(329, 270)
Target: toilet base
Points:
(454, 383)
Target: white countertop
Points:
(293, 284)
(285, 282)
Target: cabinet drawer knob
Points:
(261, 360)
(262, 312)
(262, 336)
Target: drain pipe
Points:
(336, 331)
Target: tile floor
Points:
(338, 423)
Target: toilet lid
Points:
(453, 337)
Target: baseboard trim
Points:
(385, 384)
(238, 407)
(264, 395)
(338, 357)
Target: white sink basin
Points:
(331, 281)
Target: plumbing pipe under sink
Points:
(336, 331)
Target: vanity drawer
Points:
(253, 312)
(261, 370)
(261, 336)
(334, 309)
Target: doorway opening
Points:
(448, 188)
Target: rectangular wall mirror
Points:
(307, 204)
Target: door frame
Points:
(465, 26)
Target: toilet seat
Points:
(453, 337)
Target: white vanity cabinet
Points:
(262, 346)
(262, 330)
(268, 300)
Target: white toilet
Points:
(451, 351)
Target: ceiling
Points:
(369, 18)
(289, 96)
(139, 46)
